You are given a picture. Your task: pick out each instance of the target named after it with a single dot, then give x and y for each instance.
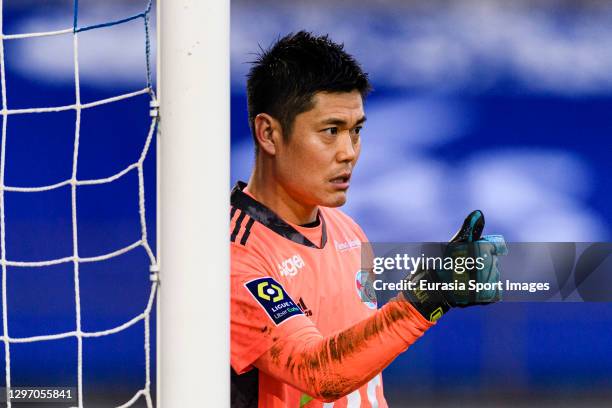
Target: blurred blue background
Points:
(501, 106)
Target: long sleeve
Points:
(328, 368)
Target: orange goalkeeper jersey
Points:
(286, 278)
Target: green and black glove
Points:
(438, 290)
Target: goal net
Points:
(87, 269)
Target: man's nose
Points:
(347, 150)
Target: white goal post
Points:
(193, 176)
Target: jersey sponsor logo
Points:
(291, 266)
(348, 244)
(273, 298)
(365, 289)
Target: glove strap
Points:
(431, 304)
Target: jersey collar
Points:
(269, 219)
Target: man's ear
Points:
(268, 133)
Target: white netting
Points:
(74, 182)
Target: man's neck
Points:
(275, 197)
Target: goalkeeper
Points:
(301, 336)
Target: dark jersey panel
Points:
(245, 389)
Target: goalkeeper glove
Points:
(467, 243)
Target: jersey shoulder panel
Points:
(261, 310)
(241, 226)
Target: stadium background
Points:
(477, 104)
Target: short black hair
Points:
(284, 78)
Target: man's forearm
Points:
(328, 368)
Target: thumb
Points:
(472, 227)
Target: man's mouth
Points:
(341, 181)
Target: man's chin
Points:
(337, 199)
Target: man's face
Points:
(315, 165)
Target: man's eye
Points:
(356, 131)
(331, 130)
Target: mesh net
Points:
(73, 184)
